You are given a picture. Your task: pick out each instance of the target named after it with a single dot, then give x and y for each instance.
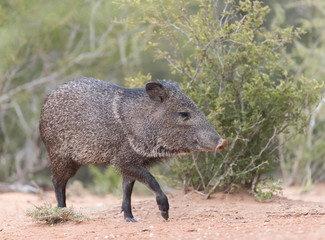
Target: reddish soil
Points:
(224, 216)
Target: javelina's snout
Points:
(222, 144)
(211, 141)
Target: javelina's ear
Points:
(156, 91)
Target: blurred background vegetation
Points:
(46, 43)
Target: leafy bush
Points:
(234, 69)
(302, 160)
(109, 180)
(53, 215)
(105, 180)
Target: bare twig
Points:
(200, 193)
(109, 29)
(268, 143)
(21, 118)
(28, 86)
(193, 78)
(313, 122)
(197, 169)
(92, 34)
(72, 38)
(248, 169)
(254, 168)
(219, 181)
(180, 30)
(223, 14)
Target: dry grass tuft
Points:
(52, 215)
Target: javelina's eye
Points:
(185, 115)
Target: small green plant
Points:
(52, 215)
(267, 189)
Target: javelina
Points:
(88, 121)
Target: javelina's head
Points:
(176, 125)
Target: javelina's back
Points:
(77, 122)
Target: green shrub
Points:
(106, 180)
(266, 189)
(234, 69)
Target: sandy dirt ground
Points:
(224, 216)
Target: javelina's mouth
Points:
(222, 145)
(202, 147)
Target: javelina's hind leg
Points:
(59, 188)
(144, 176)
(127, 186)
(61, 173)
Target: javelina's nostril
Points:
(221, 146)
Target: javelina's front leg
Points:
(127, 187)
(144, 176)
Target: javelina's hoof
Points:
(164, 214)
(130, 220)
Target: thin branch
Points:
(236, 31)
(200, 193)
(228, 15)
(198, 171)
(21, 117)
(180, 30)
(178, 69)
(285, 141)
(106, 33)
(111, 26)
(72, 37)
(193, 78)
(313, 122)
(223, 14)
(272, 40)
(254, 168)
(39, 81)
(92, 34)
(28, 86)
(219, 180)
(260, 153)
(257, 123)
(268, 143)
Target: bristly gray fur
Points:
(88, 121)
(94, 122)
